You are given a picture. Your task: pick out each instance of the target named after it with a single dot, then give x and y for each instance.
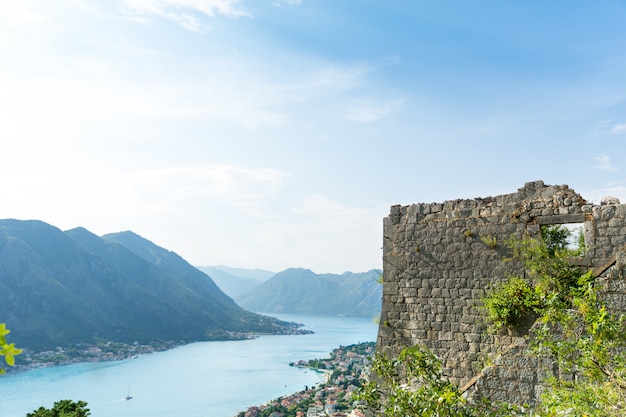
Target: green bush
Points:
(63, 408)
(413, 384)
(552, 285)
(508, 302)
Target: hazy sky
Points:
(277, 133)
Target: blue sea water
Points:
(204, 379)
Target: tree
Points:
(8, 350)
(63, 408)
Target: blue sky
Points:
(277, 133)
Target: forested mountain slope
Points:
(302, 291)
(63, 288)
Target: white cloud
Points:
(290, 2)
(335, 214)
(612, 189)
(615, 190)
(318, 205)
(233, 94)
(18, 13)
(326, 234)
(244, 188)
(603, 163)
(618, 129)
(368, 111)
(184, 11)
(610, 126)
(342, 78)
(186, 20)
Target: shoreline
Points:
(346, 369)
(110, 351)
(88, 354)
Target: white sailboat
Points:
(128, 396)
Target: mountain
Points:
(302, 291)
(254, 274)
(236, 281)
(64, 288)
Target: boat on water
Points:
(128, 396)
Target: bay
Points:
(216, 379)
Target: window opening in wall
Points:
(568, 236)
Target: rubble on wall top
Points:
(534, 190)
(608, 200)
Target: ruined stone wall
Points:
(440, 258)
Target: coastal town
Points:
(346, 370)
(106, 350)
(99, 352)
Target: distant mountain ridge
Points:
(62, 288)
(301, 291)
(255, 274)
(236, 281)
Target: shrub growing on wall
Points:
(575, 328)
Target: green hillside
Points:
(302, 291)
(64, 288)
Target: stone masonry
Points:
(440, 258)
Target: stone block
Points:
(472, 338)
